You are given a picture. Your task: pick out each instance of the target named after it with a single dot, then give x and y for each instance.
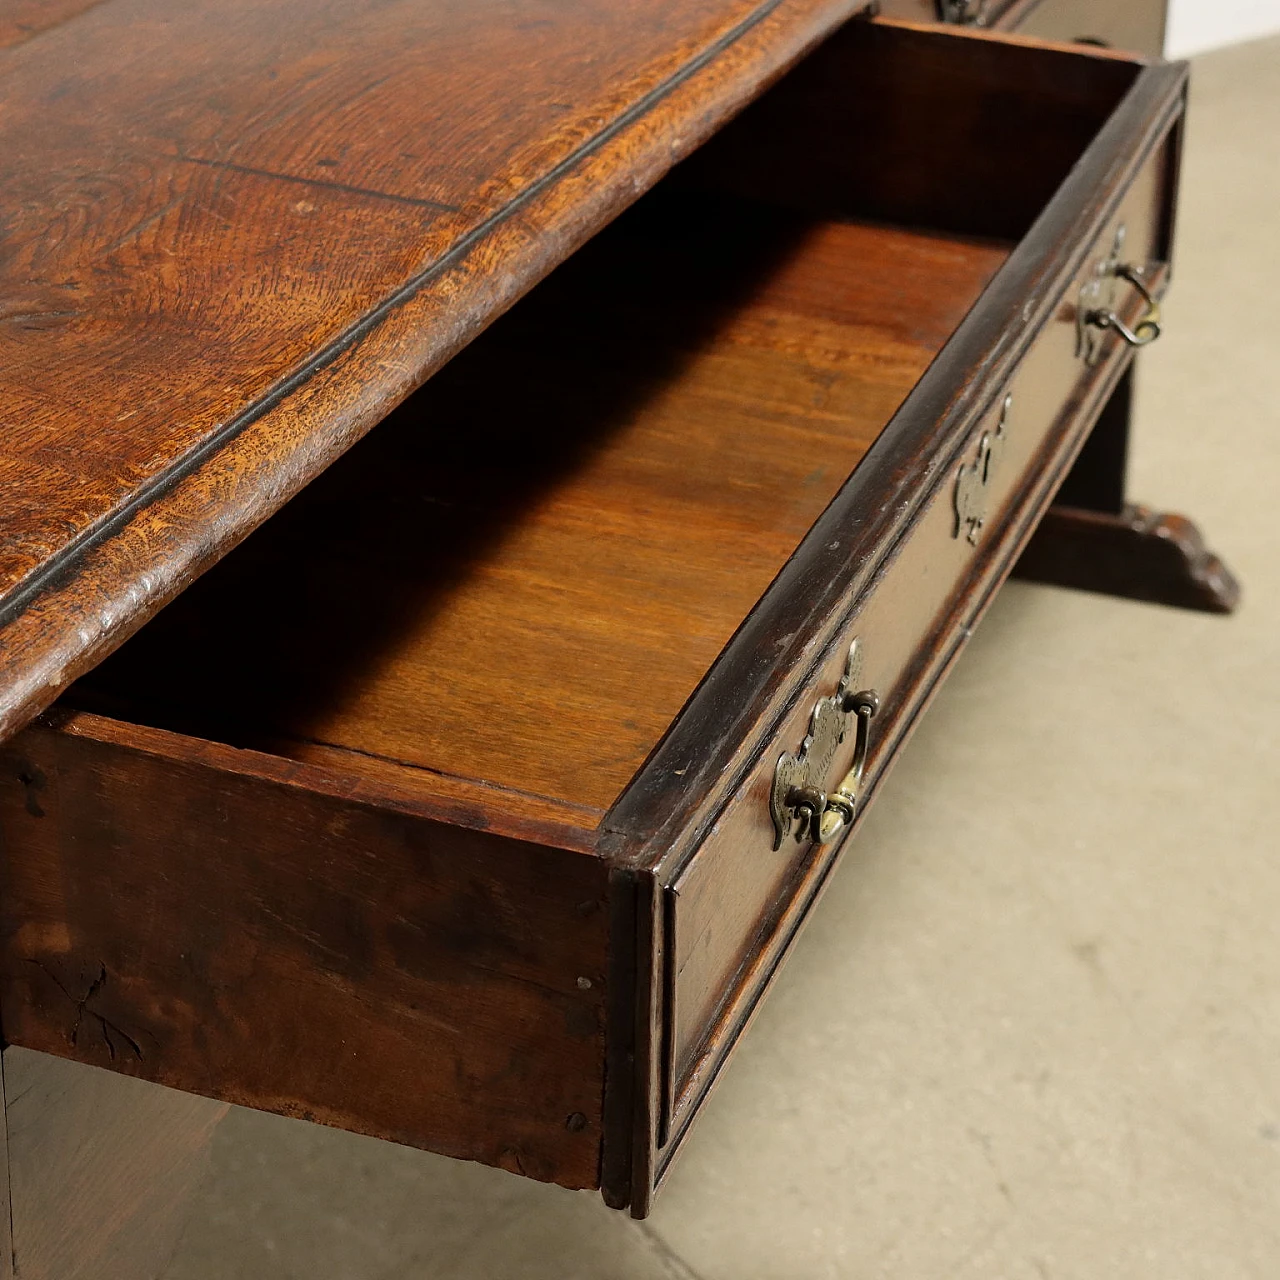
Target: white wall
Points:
(1196, 25)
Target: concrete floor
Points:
(1034, 1030)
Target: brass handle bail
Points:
(842, 803)
(1147, 329)
(800, 804)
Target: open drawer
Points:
(474, 799)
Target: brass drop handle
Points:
(843, 801)
(1147, 328)
(799, 802)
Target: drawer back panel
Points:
(971, 135)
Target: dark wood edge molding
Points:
(620, 1070)
(65, 618)
(1138, 554)
(700, 761)
(650, 937)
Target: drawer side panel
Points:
(261, 943)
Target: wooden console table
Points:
(465, 781)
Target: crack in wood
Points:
(105, 1025)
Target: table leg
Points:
(1095, 540)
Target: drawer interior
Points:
(523, 573)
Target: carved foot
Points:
(1139, 554)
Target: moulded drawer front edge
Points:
(732, 902)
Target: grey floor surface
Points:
(1034, 1030)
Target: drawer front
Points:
(735, 904)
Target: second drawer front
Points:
(734, 906)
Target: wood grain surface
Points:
(523, 574)
(171, 911)
(238, 233)
(184, 230)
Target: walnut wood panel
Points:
(103, 1168)
(219, 273)
(524, 574)
(731, 893)
(175, 911)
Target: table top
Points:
(236, 234)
